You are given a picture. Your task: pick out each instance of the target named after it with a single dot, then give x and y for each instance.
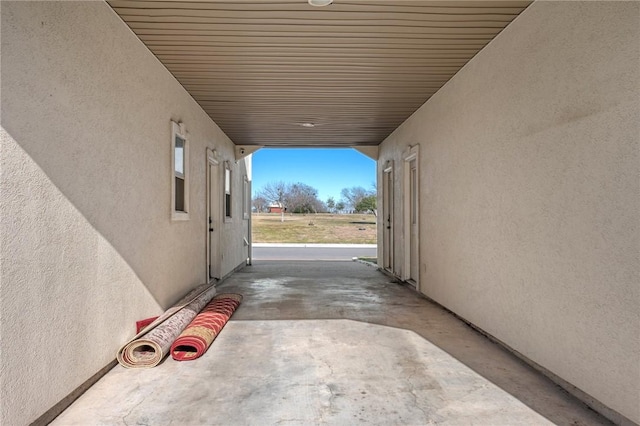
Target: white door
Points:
(411, 205)
(213, 217)
(387, 215)
(414, 213)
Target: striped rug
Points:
(149, 347)
(194, 341)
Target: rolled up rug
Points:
(194, 341)
(142, 324)
(152, 344)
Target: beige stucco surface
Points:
(529, 194)
(87, 246)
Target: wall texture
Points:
(86, 242)
(529, 193)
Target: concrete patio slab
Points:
(333, 343)
(304, 372)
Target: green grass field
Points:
(314, 228)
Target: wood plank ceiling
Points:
(284, 73)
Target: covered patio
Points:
(505, 135)
(333, 343)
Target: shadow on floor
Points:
(333, 343)
(351, 290)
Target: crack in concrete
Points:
(131, 411)
(412, 391)
(300, 421)
(415, 401)
(327, 409)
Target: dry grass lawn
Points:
(314, 228)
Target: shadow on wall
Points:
(41, 171)
(52, 243)
(66, 290)
(87, 242)
(69, 108)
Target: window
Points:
(246, 204)
(227, 190)
(179, 173)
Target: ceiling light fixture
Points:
(320, 3)
(309, 125)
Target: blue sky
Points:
(326, 169)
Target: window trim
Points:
(178, 131)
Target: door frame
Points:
(411, 155)
(213, 217)
(387, 218)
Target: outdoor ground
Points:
(314, 228)
(334, 343)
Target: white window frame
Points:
(178, 131)
(227, 182)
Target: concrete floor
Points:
(333, 343)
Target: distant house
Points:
(276, 208)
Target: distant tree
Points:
(294, 197)
(340, 206)
(367, 204)
(353, 196)
(302, 198)
(260, 204)
(331, 204)
(276, 192)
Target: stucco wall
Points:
(529, 193)
(86, 242)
